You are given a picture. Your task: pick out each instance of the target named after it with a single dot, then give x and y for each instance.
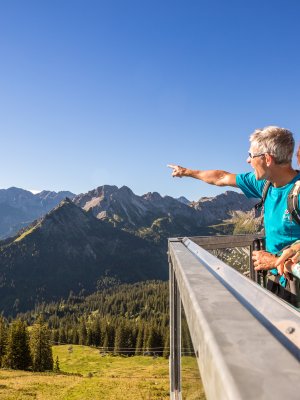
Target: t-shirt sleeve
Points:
(249, 185)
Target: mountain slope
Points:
(219, 208)
(69, 249)
(19, 207)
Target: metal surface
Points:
(175, 338)
(241, 354)
(226, 241)
(275, 314)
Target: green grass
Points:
(24, 234)
(86, 375)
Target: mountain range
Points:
(151, 213)
(19, 207)
(107, 233)
(70, 249)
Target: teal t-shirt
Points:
(280, 229)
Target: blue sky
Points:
(110, 92)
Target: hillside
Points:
(70, 249)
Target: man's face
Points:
(257, 163)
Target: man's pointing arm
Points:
(213, 177)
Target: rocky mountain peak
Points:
(93, 197)
(220, 207)
(47, 195)
(126, 190)
(183, 200)
(152, 196)
(65, 213)
(15, 196)
(105, 190)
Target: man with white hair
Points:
(270, 156)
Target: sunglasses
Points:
(255, 155)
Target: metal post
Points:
(175, 337)
(251, 266)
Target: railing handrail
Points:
(240, 352)
(225, 241)
(267, 307)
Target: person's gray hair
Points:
(278, 142)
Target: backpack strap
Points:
(293, 202)
(263, 196)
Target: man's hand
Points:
(290, 253)
(262, 260)
(177, 170)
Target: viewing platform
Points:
(246, 340)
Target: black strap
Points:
(292, 200)
(293, 203)
(263, 196)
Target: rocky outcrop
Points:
(184, 200)
(213, 210)
(143, 215)
(127, 210)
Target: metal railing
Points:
(246, 340)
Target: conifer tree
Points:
(55, 336)
(96, 332)
(89, 337)
(17, 350)
(56, 365)
(139, 341)
(62, 336)
(105, 343)
(129, 342)
(154, 340)
(75, 336)
(111, 335)
(119, 339)
(3, 338)
(40, 347)
(108, 334)
(145, 338)
(82, 333)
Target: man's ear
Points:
(269, 159)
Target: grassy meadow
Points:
(87, 375)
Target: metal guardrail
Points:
(246, 340)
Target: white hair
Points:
(278, 142)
